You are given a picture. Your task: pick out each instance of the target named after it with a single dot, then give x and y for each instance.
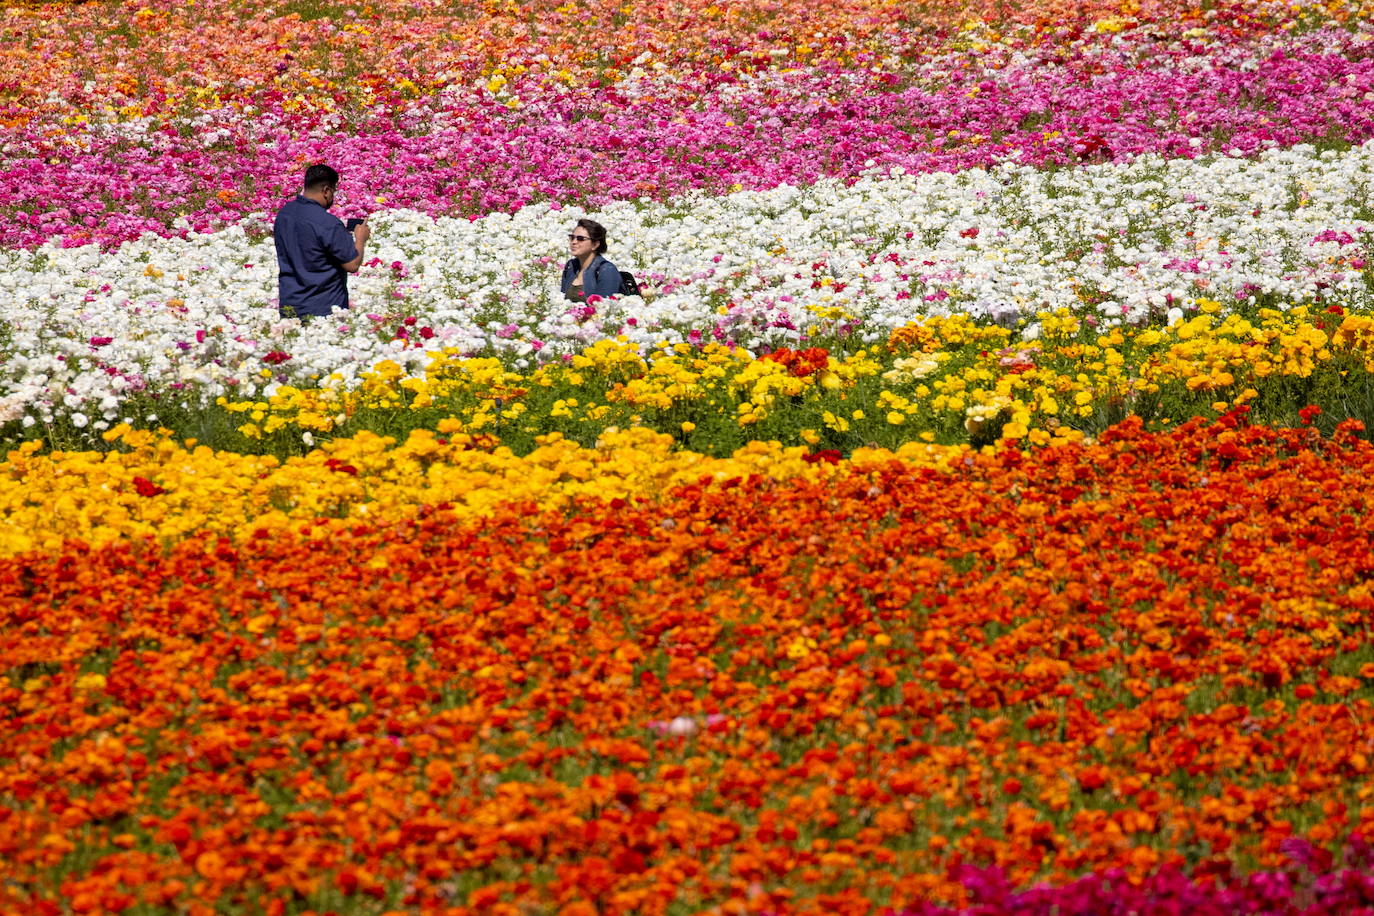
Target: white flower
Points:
(682, 726)
(1117, 229)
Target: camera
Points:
(354, 222)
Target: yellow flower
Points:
(1014, 430)
(91, 682)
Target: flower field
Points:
(972, 516)
(1132, 659)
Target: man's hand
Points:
(361, 233)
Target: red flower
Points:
(1092, 778)
(146, 487)
(800, 363)
(335, 464)
(825, 455)
(276, 358)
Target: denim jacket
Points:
(600, 279)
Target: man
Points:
(315, 253)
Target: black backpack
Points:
(629, 286)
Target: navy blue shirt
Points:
(312, 247)
(601, 278)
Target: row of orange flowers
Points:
(90, 52)
(744, 695)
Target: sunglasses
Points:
(579, 238)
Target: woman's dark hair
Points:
(596, 232)
(320, 176)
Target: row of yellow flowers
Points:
(948, 379)
(456, 425)
(152, 485)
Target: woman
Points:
(587, 273)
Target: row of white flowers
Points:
(836, 263)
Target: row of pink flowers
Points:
(473, 150)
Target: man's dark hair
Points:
(320, 176)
